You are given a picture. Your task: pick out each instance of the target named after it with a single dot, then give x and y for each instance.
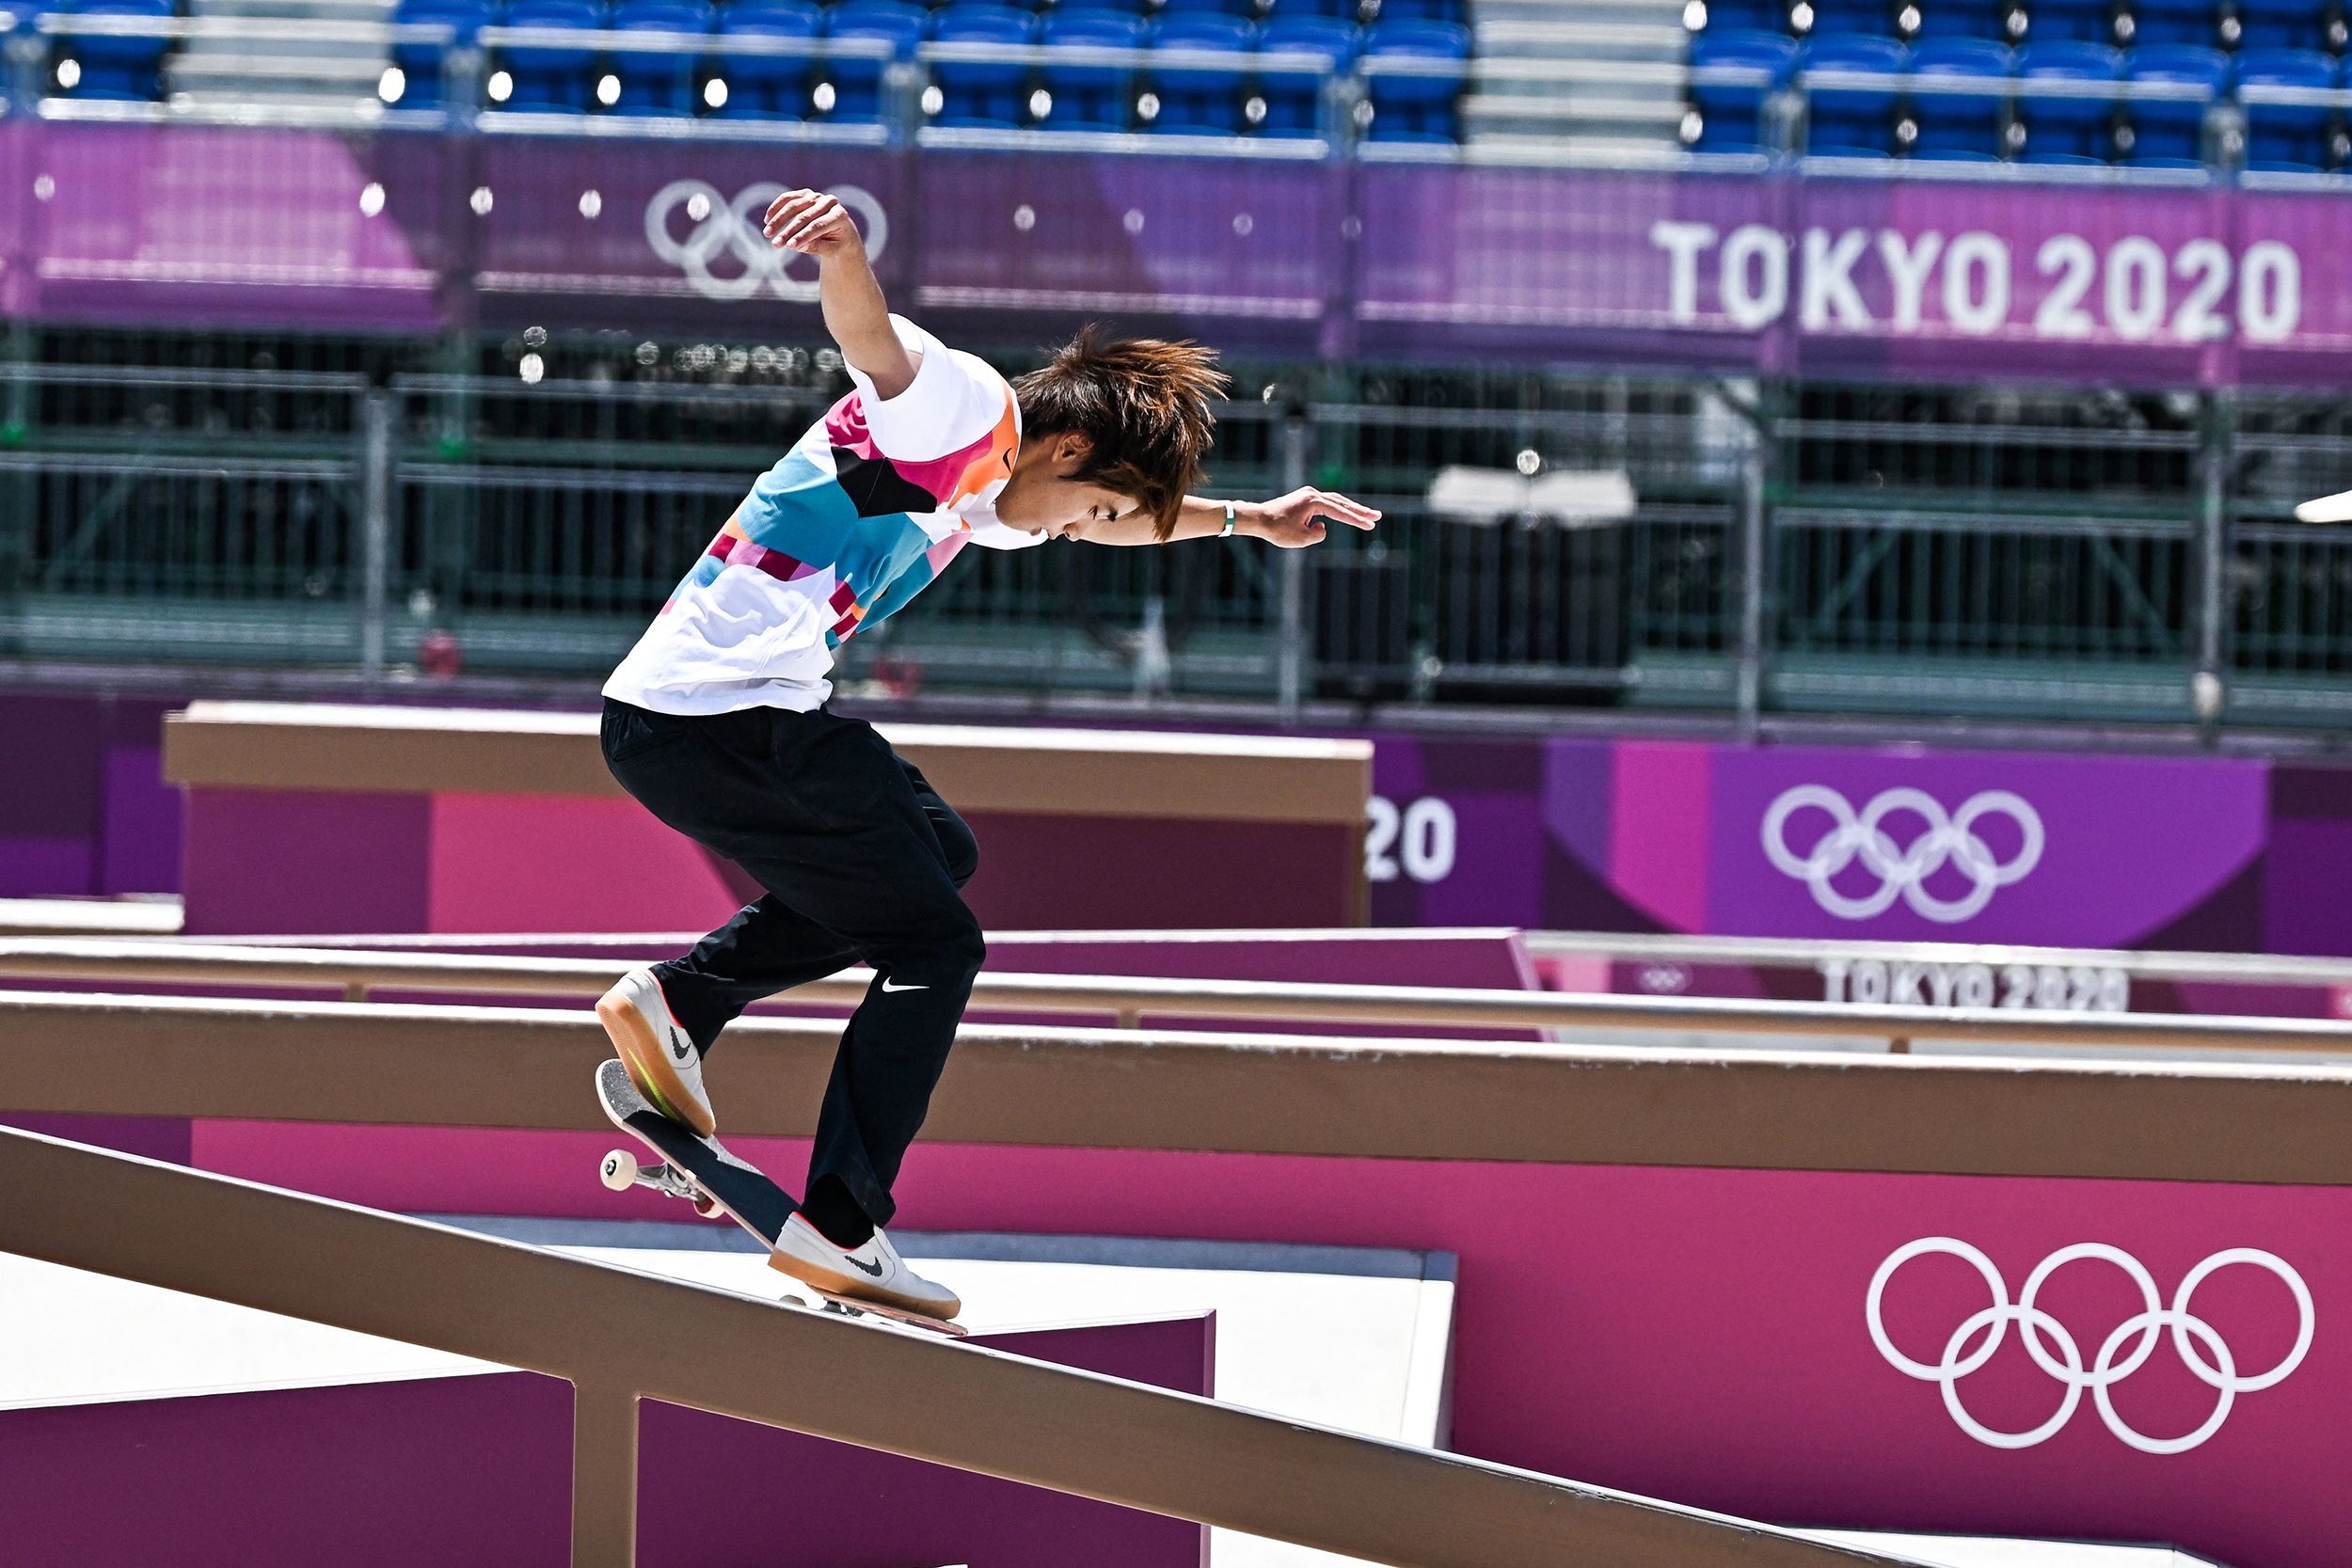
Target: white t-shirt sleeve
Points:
(953, 401)
(995, 536)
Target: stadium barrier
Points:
(909, 1394)
(523, 525)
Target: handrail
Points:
(271, 29)
(399, 1064)
(357, 974)
(632, 40)
(976, 1409)
(2248, 969)
(1241, 62)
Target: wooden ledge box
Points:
(309, 817)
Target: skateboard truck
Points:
(621, 1171)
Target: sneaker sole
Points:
(857, 1290)
(648, 1065)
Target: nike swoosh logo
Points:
(680, 1047)
(887, 986)
(875, 1269)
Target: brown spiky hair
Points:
(1141, 403)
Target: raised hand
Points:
(812, 223)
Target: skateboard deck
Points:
(716, 1182)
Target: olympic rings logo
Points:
(2056, 1351)
(1950, 839)
(733, 228)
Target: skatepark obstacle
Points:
(357, 974)
(1267, 1094)
(904, 1393)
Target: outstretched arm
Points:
(817, 225)
(1291, 521)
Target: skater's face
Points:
(1045, 496)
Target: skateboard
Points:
(718, 1182)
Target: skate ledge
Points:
(1118, 773)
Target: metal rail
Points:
(2244, 969)
(976, 1409)
(358, 974)
(1389, 1098)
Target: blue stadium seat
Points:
(1963, 19)
(769, 87)
(551, 78)
(2174, 22)
(2069, 127)
(2057, 20)
(1417, 10)
(1204, 100)
(658, 81)
(2167, 132)
(1755, 65)
(421, 63)
(1294, 101)
(1122, 8)
(1241, 8)
(2284, 137)
(976, 94)
(1867, 18)
(1963, 124)
(857, 80)
(1090, 97)
(1856, 117)
(1350, 11)
(2283, 24)
(1762, 16)
(122, 67)
(1420, 105)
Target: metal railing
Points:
(976, 1409)
(358, 974)
(1957, 551)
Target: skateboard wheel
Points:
(619, 1170)
(707, 1207)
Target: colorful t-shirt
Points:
(861, 515)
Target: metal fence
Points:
(1969, 552)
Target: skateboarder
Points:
(719, 720)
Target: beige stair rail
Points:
(356, 973)
(925, 1398)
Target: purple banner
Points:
(2007, 273)
(1896, 843)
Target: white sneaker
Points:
(873, 1271)
(659, 1056)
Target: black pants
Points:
(861, 859)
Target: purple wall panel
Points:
(475, 1472)
(49, 796)
(153, 1137)
(289, 861)
(469, 1472)
(720, 1493)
